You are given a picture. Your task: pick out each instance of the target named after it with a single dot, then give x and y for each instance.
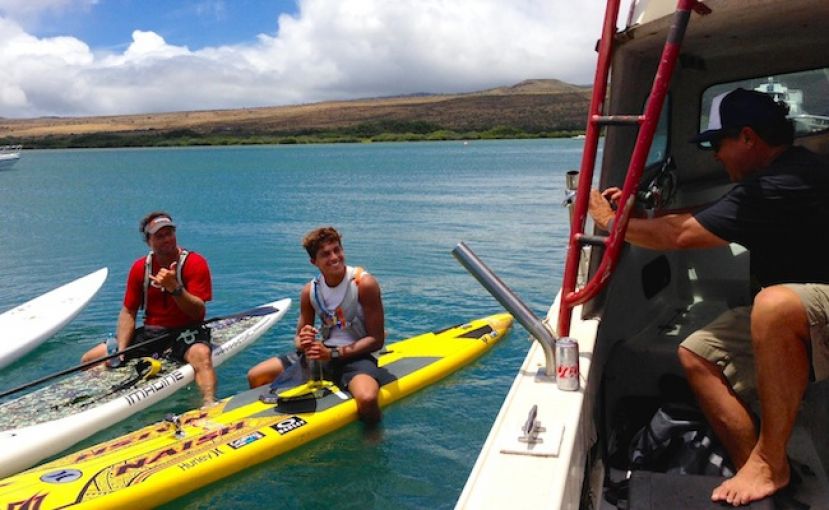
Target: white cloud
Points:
(148, 46)
(331, 49)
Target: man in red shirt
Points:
(172, 285)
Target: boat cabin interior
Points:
(630, 436)
(655, 299)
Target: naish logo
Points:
(62, 476)
(161, 428)
(292, 423)
(149, 460)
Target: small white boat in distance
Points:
(9, 155)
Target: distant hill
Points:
(532, 107)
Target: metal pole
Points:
(511, 302)
(571, 185)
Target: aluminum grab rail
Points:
(510, 301)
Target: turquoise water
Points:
(401, 209)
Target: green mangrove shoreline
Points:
(361, 134)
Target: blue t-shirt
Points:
(781, 215)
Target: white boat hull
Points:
(9, 155)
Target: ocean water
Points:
(401, 209)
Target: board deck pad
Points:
(160, 462)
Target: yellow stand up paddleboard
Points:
(163, 461)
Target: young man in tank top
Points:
(348, 302)
(172, 285)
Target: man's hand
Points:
(166, 278)
(600, 205)
(612, 195)
(318, 351)
(307, 337)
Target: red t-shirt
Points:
(161, 306)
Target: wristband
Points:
(609, 227)
(177, 291)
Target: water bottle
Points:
(112, 348)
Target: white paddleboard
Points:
(53, 418)
(30, 324)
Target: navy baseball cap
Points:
(734, 110)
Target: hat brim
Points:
(160, 227)
(158, 224)
(707, 136)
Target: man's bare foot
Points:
(208, 403)
(754, 481)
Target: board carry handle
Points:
(146, 368)
(312, 389)
(254, 312)
(309, 387)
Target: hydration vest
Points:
(346, 316)
(148, 271)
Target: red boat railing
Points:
(647, 123)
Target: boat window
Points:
(806, 93)
(659, 146)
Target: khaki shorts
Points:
(726, 341)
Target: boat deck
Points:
(540, 472)
(552, 470)
(653, 353)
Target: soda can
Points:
(567, 364)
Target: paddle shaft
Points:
(264, 310)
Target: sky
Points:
(115, 57)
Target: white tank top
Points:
(339, 309)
